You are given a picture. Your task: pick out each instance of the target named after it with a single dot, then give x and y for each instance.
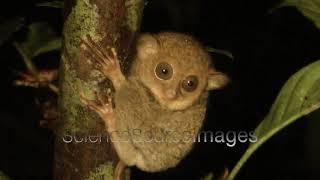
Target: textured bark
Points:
(111, 23)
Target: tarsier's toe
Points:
(101, 107)
(101, 99)
(89, 103)
(107, 106)
(104, 110)
(115, 55)
(83, 99)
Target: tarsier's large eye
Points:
(163, 71)
(190, 83)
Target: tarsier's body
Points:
(160, 106)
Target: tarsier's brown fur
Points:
(143, 116)
(154, 121)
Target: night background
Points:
(268, 47)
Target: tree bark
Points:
(82, 147)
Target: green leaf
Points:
(309, 8)
(299, 96)
(40, 39)
(54, 4)
(9, 27)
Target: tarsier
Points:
(162, 101)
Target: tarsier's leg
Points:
(108, 64)
(119, 171)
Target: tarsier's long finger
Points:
(91, 104)
(115, 56)
(107, 109)
(99, 98)
(104, 57)
(83, 99)
(99, 48)
(109, 100)
(98, 56)
(114, 53)
(94, 57)
(109, 95)
(98, 109)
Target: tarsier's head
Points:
(175, 68)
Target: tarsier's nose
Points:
(171, 94)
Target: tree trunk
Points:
(82, 147)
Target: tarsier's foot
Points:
(119, 170)
(107, 62)
(104, 109)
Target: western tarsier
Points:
(166, 91)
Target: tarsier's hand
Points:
(103, 109)
(107, 64)
(167, 89)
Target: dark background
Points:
(268, 47)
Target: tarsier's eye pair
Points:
(164, 71)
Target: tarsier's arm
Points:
(110, 67)
(149, 47)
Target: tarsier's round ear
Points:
(216, 80)
(147, 46)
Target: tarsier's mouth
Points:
(152, 96)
